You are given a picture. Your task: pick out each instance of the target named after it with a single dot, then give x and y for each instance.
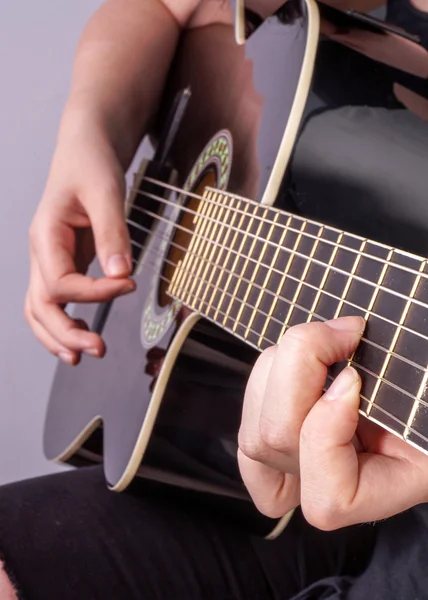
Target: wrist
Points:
(83, 115)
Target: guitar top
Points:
(277, 194)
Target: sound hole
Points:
(183, 234)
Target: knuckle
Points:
(323, 513)
(298, 337)
(277, 436)
(53, 290)
(251, 445)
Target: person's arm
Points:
(121, 63)
(120, 67)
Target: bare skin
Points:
(6, 588)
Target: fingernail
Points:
(352, 324)
(130, 287)
(66, 357)
(92, 352)
(343, 383)
(117, 266)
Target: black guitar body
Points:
(165, 403)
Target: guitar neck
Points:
(255, 271)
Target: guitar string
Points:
(365, 369)
(279, 297)
(299, 218)
(331, 377)
(393, 264)
(182, 192)
(181, 227)
(273, 244)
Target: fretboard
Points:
(256, 271)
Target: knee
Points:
(6, 588)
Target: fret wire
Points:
(209, 250)
(395, 337)
(277, 296)
(362, 412)
(368, 312)
(193, 247)
(349, 281)
(323, 264)
(418, 401)
(302, 279)
(386, 361)
(222, 249)
(235, 260)
(176, 276)
(422, 385)
(265, 281)
(361, 367)
(205, 230)
(365, 340)
(287, 268)
(225, 272)
(348, 302)
(397, 420)
(281, 283)
(379, 378)
(253, 275)
(240, 276)
(315, 223)
(324, 279)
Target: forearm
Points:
(120, 67)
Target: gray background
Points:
(37, 42)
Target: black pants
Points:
(67, 537)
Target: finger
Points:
(66, 355)
(274, 493)
(107, 216)
(340, 487)
(53, 243)
(297, 376)
(250, 440)
(68, 334)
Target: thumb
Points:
(340, 487)
(329, 462)
(112, 244)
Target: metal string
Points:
(278, 296)
(325, 292)
(273, 244)
(331, 377)
(265, 338)
(297, 217)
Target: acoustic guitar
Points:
(226, 260)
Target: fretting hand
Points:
(300, 446)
